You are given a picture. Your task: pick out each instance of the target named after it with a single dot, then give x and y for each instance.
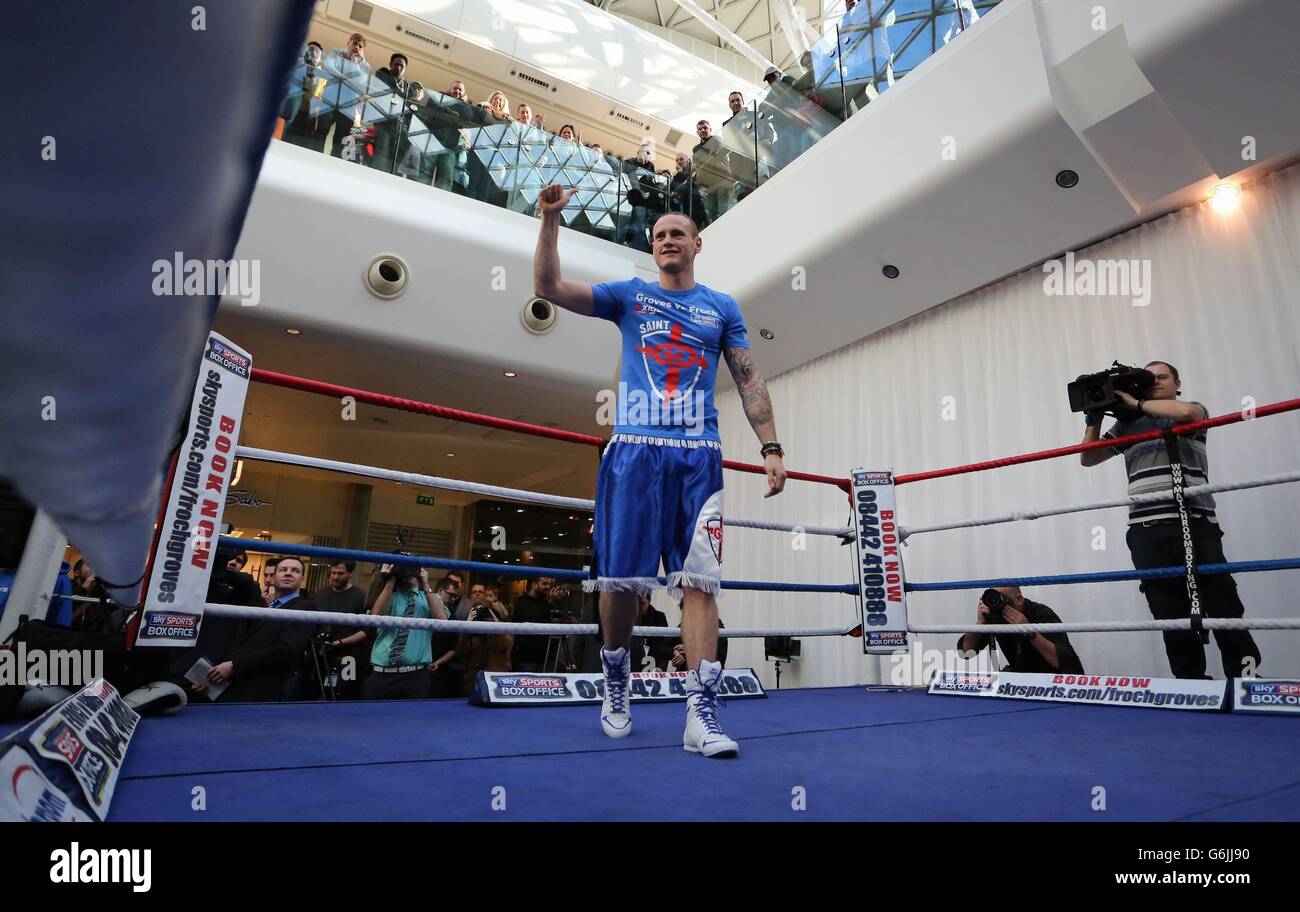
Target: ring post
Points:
(882, 601)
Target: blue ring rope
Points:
(443, 563)
(1109, 576)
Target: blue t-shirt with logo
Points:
(672, 343)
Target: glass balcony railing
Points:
(345, 108)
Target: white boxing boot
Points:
(703, 736)
(615, 710)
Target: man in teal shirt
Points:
(401, 657)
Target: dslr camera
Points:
(995, 601)
(1099, 392)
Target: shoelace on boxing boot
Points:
(616, 685)
(706, 707)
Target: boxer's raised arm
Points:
(547, 283)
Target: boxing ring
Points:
(837, 753)
(857, 754)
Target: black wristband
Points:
(769, 448)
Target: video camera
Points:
(402, 571)
(1099, 392)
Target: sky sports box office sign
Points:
(187, 536)
(1265, 695)
(1097, 690)
(880, 567)
(505, 688)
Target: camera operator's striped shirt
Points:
(1148, 468)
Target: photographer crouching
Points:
(1025, 653)
(1155, 534)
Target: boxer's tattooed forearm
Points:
(741, 362)
(753, 391)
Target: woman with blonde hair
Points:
(499, 107)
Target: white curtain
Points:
(984, 376)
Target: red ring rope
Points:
(1191, 427)
(426, 408)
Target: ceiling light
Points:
(1225, 198)
(511, 374)
(294, 332)
(451, 454)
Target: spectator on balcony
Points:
(646, 196)
(742, 135)
(449, 116)
(569, 133)
(525, 118)
(498, 109)
(684, 193)
(388, 93)
(349, 66)
(307, 118)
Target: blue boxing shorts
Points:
(658, 500)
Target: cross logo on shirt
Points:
(673, 354)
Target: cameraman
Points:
(402, 657)
(1155, 533)
(1025, 653)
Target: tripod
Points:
(560, 644)
(777, 663)
(326, 672)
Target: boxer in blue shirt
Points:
(659, 492)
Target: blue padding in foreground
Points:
(858, 755)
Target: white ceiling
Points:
(752, 20)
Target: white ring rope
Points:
(1154, 497)
(469, 487)
(790, 527)
(483, 628)
(1208, 623)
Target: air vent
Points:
(673, 138)
(361, 12)
(411, 33)
(541, 83)
(631, 120)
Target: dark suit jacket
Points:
(264, 653)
